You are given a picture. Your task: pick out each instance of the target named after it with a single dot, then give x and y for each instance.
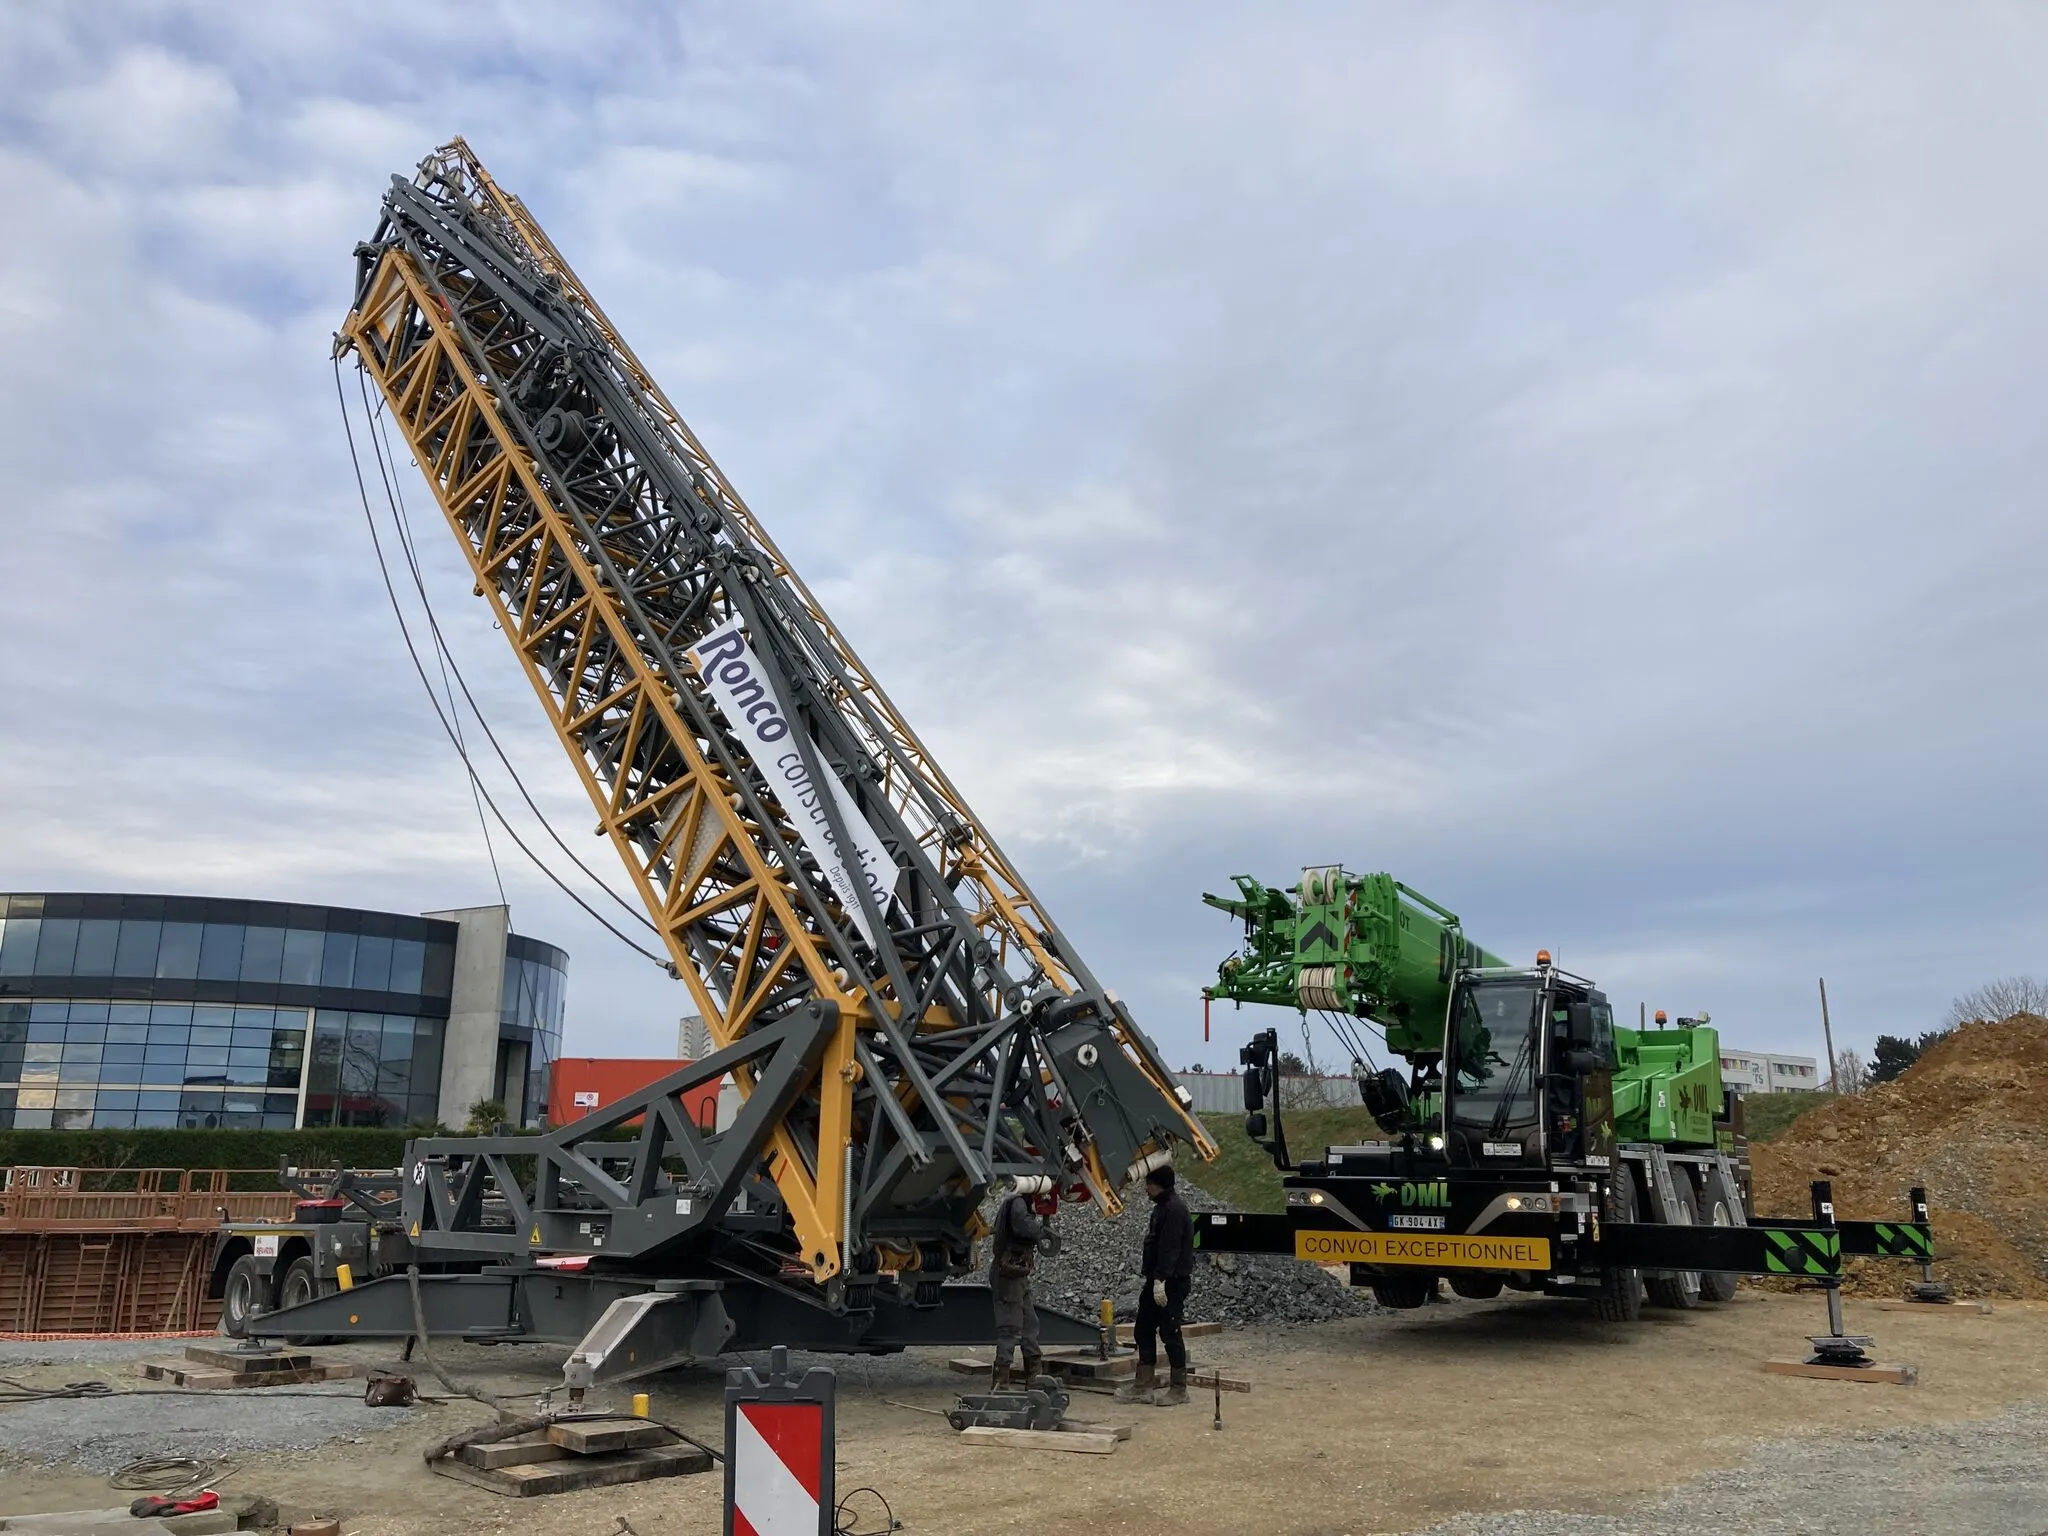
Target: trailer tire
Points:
(241, 1295)
(301, 1284)
(1476, 1287)
(1620, 1299)
(1719, 1207)
(1679, 1288)
(1403, 1293)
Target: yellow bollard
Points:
(639, 1405)
(344, 1277)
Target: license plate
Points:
(1503, 1148)
(1417, 1223)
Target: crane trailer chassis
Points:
(633, 1234)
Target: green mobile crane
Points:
(1530, 1143)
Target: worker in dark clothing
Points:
(1168, 1270)
(1013, 1253)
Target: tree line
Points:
(1891, 1055)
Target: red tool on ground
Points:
(156, 1504)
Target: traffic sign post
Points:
(778, 1451)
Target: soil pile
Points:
(1969, 1123)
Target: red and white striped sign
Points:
(778, 1453)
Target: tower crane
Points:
(907, 1025)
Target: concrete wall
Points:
(469, 1057)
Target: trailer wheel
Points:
(1620, 1299)
(1476, 1287)
(1403, 1292)
(240, 1297)
(1718, 1208)
(1679, 1288)
(301, 1284)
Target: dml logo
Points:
(1435, 1193)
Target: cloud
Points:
(1582, 465)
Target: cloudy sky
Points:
(1584, 462)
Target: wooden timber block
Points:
(572, 1473)
(520, 1451)
(1961, 1308)
(1083, 1441)
(1071, 1367)
(210, 1380)
(178, 1376)
(1092, 1427)
(1127, 1333)
(1894, 1374)
(241, 1362)
(594, 1437)
(202, 1522)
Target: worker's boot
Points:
(999, 1378)
(1034, 1365)
(1139, 1390)
(1176, 1390)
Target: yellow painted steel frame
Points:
(678, 823)
(506, 522)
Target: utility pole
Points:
(1828, 1033)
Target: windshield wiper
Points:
(1507, 1092)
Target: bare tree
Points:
(1999, 999)
(1851, 1076)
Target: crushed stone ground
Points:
(1975, 1479)
(99, 1435)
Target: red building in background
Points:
(581, 1085)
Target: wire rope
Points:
(412, 650)
(394, 495)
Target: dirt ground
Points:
(1377, 1424)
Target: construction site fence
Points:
(120, 1250)
(137, 1199)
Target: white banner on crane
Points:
(739, 684)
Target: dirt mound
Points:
(1969, 1123)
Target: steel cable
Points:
(405, 632)
(387, 468)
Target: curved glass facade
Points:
(531, 998)
(186, 1011)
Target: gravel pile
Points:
(1099, 1258)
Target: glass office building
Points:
(123, 1010)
